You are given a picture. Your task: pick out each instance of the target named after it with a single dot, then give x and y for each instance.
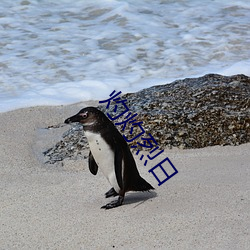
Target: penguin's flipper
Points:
(111, 193)
(118, 166)
(92, 164)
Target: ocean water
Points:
(61, 52)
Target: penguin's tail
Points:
(141, 185)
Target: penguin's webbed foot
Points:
(113, 204)
(111, 193)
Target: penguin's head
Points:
(89, 116)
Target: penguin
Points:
(110, 152)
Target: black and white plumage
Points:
(110, 152)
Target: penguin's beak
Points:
(74, 118)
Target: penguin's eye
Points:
(84, 115)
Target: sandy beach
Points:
(45, 206)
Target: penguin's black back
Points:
(132, 180)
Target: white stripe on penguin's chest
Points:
(104, 157)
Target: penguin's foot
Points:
(111, 193)
(113, 204)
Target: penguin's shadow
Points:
(139, 198)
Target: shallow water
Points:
(67, 51)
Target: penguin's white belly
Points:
(104, 157)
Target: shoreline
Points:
(205, 205)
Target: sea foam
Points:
(63, 52)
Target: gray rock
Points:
(190, 113)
